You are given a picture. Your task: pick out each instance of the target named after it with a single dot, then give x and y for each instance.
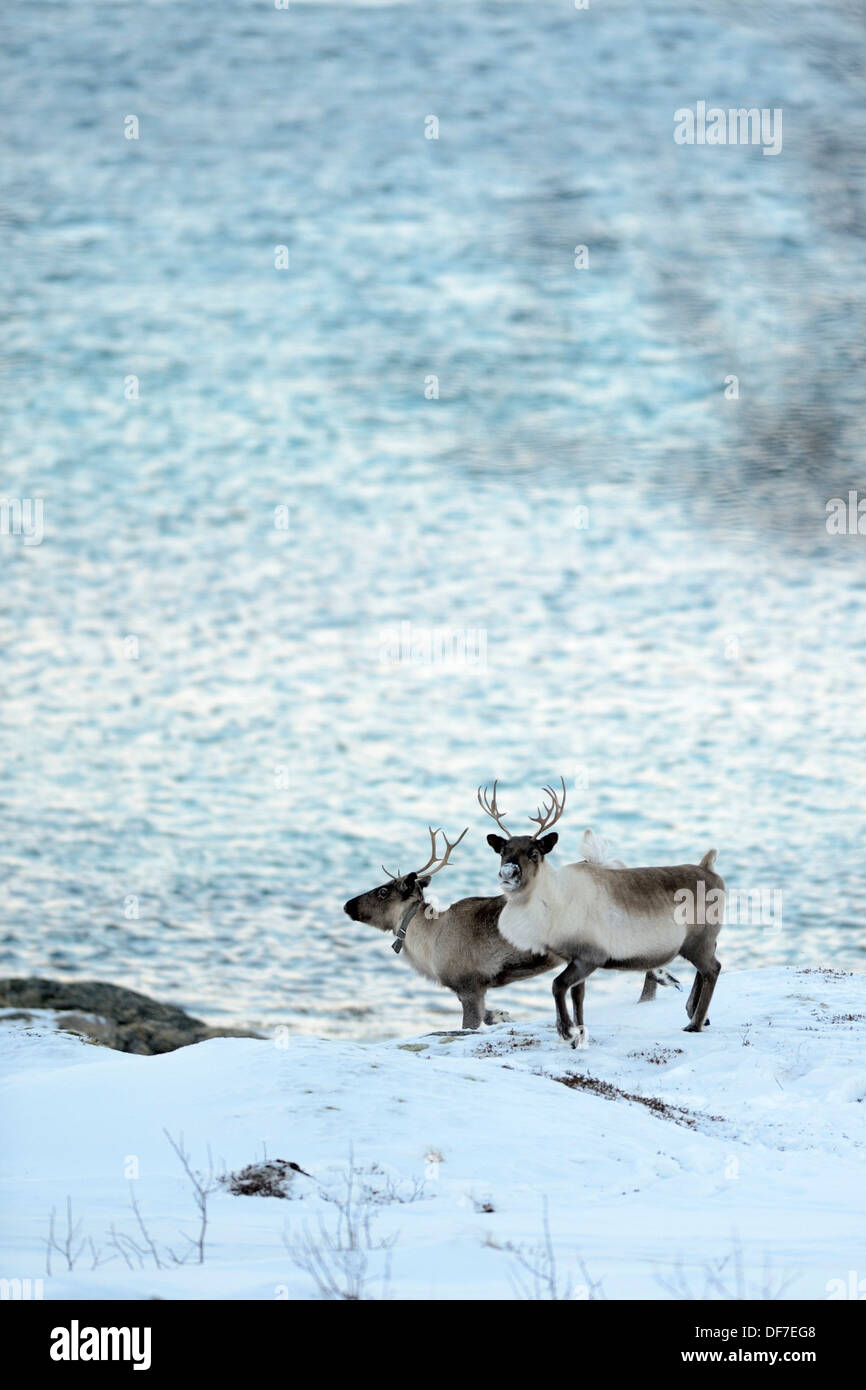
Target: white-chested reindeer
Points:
(460, 947)
(596, 917)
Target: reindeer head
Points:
(384, 907)
(521, 856)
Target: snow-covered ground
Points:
(743, 1176)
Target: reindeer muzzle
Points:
(509, 877)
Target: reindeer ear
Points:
(422, 882)
(547, 843)
(496, 842)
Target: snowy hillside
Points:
(663, 1164)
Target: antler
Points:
(488, 804)
(448, 848)
(551, 814)
(434, 854)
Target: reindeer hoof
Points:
(496, 1016)
(580, 1038)
(693, 1028)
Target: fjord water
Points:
(223, 706)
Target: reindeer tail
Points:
(709, 859)
(598, 851)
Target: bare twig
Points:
(337, 1257)
(144, 1231)
(203, 1184)
(115, 1240)
(69, 1246)
(724, 1278)
(96, 1256)
(537, 1277)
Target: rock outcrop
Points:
(110, 1015)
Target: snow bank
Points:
(664, 1163)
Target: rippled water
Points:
(201, 710)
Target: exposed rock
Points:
(100, 1030)
(111, 1015)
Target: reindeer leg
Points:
(473, 1008)
(573, 978)
(693, 997)
(577, 995)
(650, 985)
(708, 977)
(561, 985)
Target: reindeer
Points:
(596, 917)
(461, 947)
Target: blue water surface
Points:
(430, 422)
